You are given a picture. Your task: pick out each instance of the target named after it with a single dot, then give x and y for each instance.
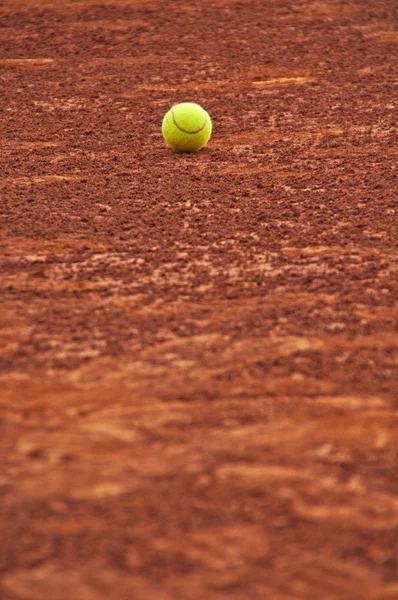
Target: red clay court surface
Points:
(199, 352)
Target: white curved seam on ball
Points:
(185, 130)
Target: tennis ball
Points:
(186, 127)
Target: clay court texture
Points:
(198, 353)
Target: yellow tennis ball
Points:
(186, 127)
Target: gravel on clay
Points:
(198, 353)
